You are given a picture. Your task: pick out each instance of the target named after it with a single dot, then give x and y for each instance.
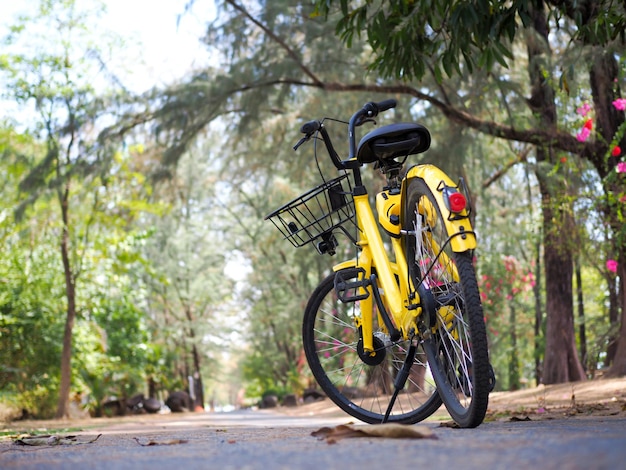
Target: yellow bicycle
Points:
(391, 338)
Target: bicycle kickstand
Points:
(402, 377)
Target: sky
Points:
(168, 47)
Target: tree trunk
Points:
(198, 390)
(197, 379)
(561, 362)
(66, 355)
(539, 326)
(514, 378)
(582, 333)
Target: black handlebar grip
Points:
(386, 104)
(310, 127)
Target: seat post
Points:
(393, 178)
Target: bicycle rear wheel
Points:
(457, 348)
(331, 344)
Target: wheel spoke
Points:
(364, 391)
(459, 345)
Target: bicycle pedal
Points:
(350, 285)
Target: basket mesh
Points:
(314, 213)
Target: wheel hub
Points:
(379, 352)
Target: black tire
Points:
(457, 348)
(331, 342)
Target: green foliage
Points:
(409, 38)
(31, 328)
(111, 343)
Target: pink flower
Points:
(583, 135)
(611, 265)
(620, 104)
(623, 199)
(583, 110)
(616, 151)
(621, 167)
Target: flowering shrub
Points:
(509, 279)
(614, 182)
(620, 104)
(611, 265)
(585, 132)
(583, 110)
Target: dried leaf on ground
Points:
(449, 424)
(518, 418)
(50, 440)
(389, 430)
(163, 442)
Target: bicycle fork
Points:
(385, 282)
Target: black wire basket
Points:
(315, 213)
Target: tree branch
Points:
(502, 171)
(541, 137)
(290, 52)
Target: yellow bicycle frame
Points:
(393, 276)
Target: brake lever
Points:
(301, 141)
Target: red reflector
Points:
(457, 202)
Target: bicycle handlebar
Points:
(310, 127)
(368, 112)
(380, 106)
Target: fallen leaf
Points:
(517, 418)
(165, 442)
(49, 440)
(449, 424)
(389, 430)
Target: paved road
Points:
(261, 440)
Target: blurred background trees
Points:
(133, 226)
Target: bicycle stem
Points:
(351, 163)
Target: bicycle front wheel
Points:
(360, 386)
(457, 345)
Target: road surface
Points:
(264, 440)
